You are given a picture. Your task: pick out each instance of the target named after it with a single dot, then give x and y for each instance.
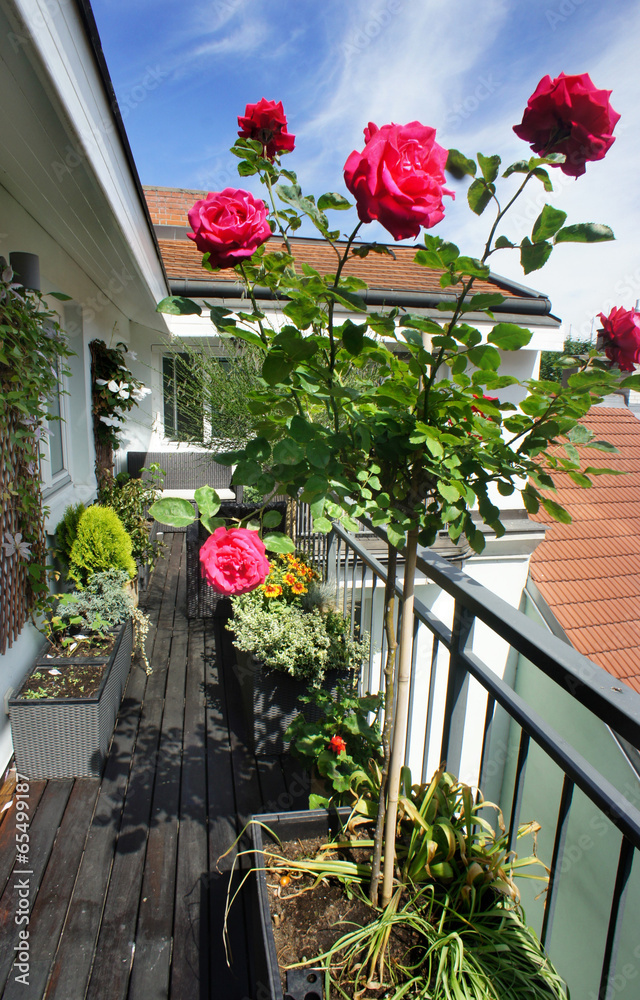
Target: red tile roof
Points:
(182, 260)
(589, 571)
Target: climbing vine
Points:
(114, 391)
(33, 353)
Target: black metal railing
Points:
(445, 668)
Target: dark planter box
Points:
(202, 601)
(270, 701)
(286, 826)
(69, 737)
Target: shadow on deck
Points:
(125, 899)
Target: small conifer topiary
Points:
(101, 543)
(67, 530)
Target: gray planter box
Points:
(69, 737)
(301, 983)
(270, 702)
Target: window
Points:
(55, 446)
(183, 410)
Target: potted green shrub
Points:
(289, 637)
(101, 543)
(131, 499)
(63, 715)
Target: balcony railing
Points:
(467, 713)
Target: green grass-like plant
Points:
(101, 543)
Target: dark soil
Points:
(307, 923)
(91, 647)
(77, 680)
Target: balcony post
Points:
(457, 690)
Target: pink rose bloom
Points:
(233, 560)
(398, 178)
(229, 225)
(266, 122)
(621, 336)
(568, 115)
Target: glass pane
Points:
(168, 395)
(56, 454)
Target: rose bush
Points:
(266, 122)
(569, 115)
(621, 337)
(398, 178)
(234, 560)
(229, 226)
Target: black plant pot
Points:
(271, 701)
(69, 737)
(306, 983)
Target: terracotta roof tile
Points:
(169, 207)
(589, 571)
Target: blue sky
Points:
(184, 71)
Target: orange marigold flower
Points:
(289, 579)
(298, 588)
(272, 590)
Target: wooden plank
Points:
(116, 941)
(189, 972)
(73, 960)
(8, 831)
(47, 916)
(168, 605)
(26, 878)
(229, 982)
(152, 961)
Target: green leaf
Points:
(276, 367)
(333, 200)
(459, 165)
(353, 336)
(247, 473)
(547, 224)
(479, 195)
(364, 249)
(490, 166)
(207, 500)
(322, 524)
(509, 336)
(246, 169)
(58, 295)
(450, 493)
(287, 452)
(556, 511)
(174, 511)
(177, 305)
(580, 479)
(318, 454)
(281, 544)
(502, 243)
(474, 268)
(485, 357)
(302, 312)
(486, 300)
(585, 232)
(395, 534)
(271, 519)
(211, 523)
(543, 176)
(258, 450)
(533, 256)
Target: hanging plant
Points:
(33, 350)
(114, 391)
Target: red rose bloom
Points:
(337, 744)
(398, 178)
(621, 336)
(488, 399)
(229, 225)
(568, 115)
(233, 560)
(266, 122)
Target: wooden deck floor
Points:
(125, 899)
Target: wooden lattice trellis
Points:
(17, 597)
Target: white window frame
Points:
(52, 482)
